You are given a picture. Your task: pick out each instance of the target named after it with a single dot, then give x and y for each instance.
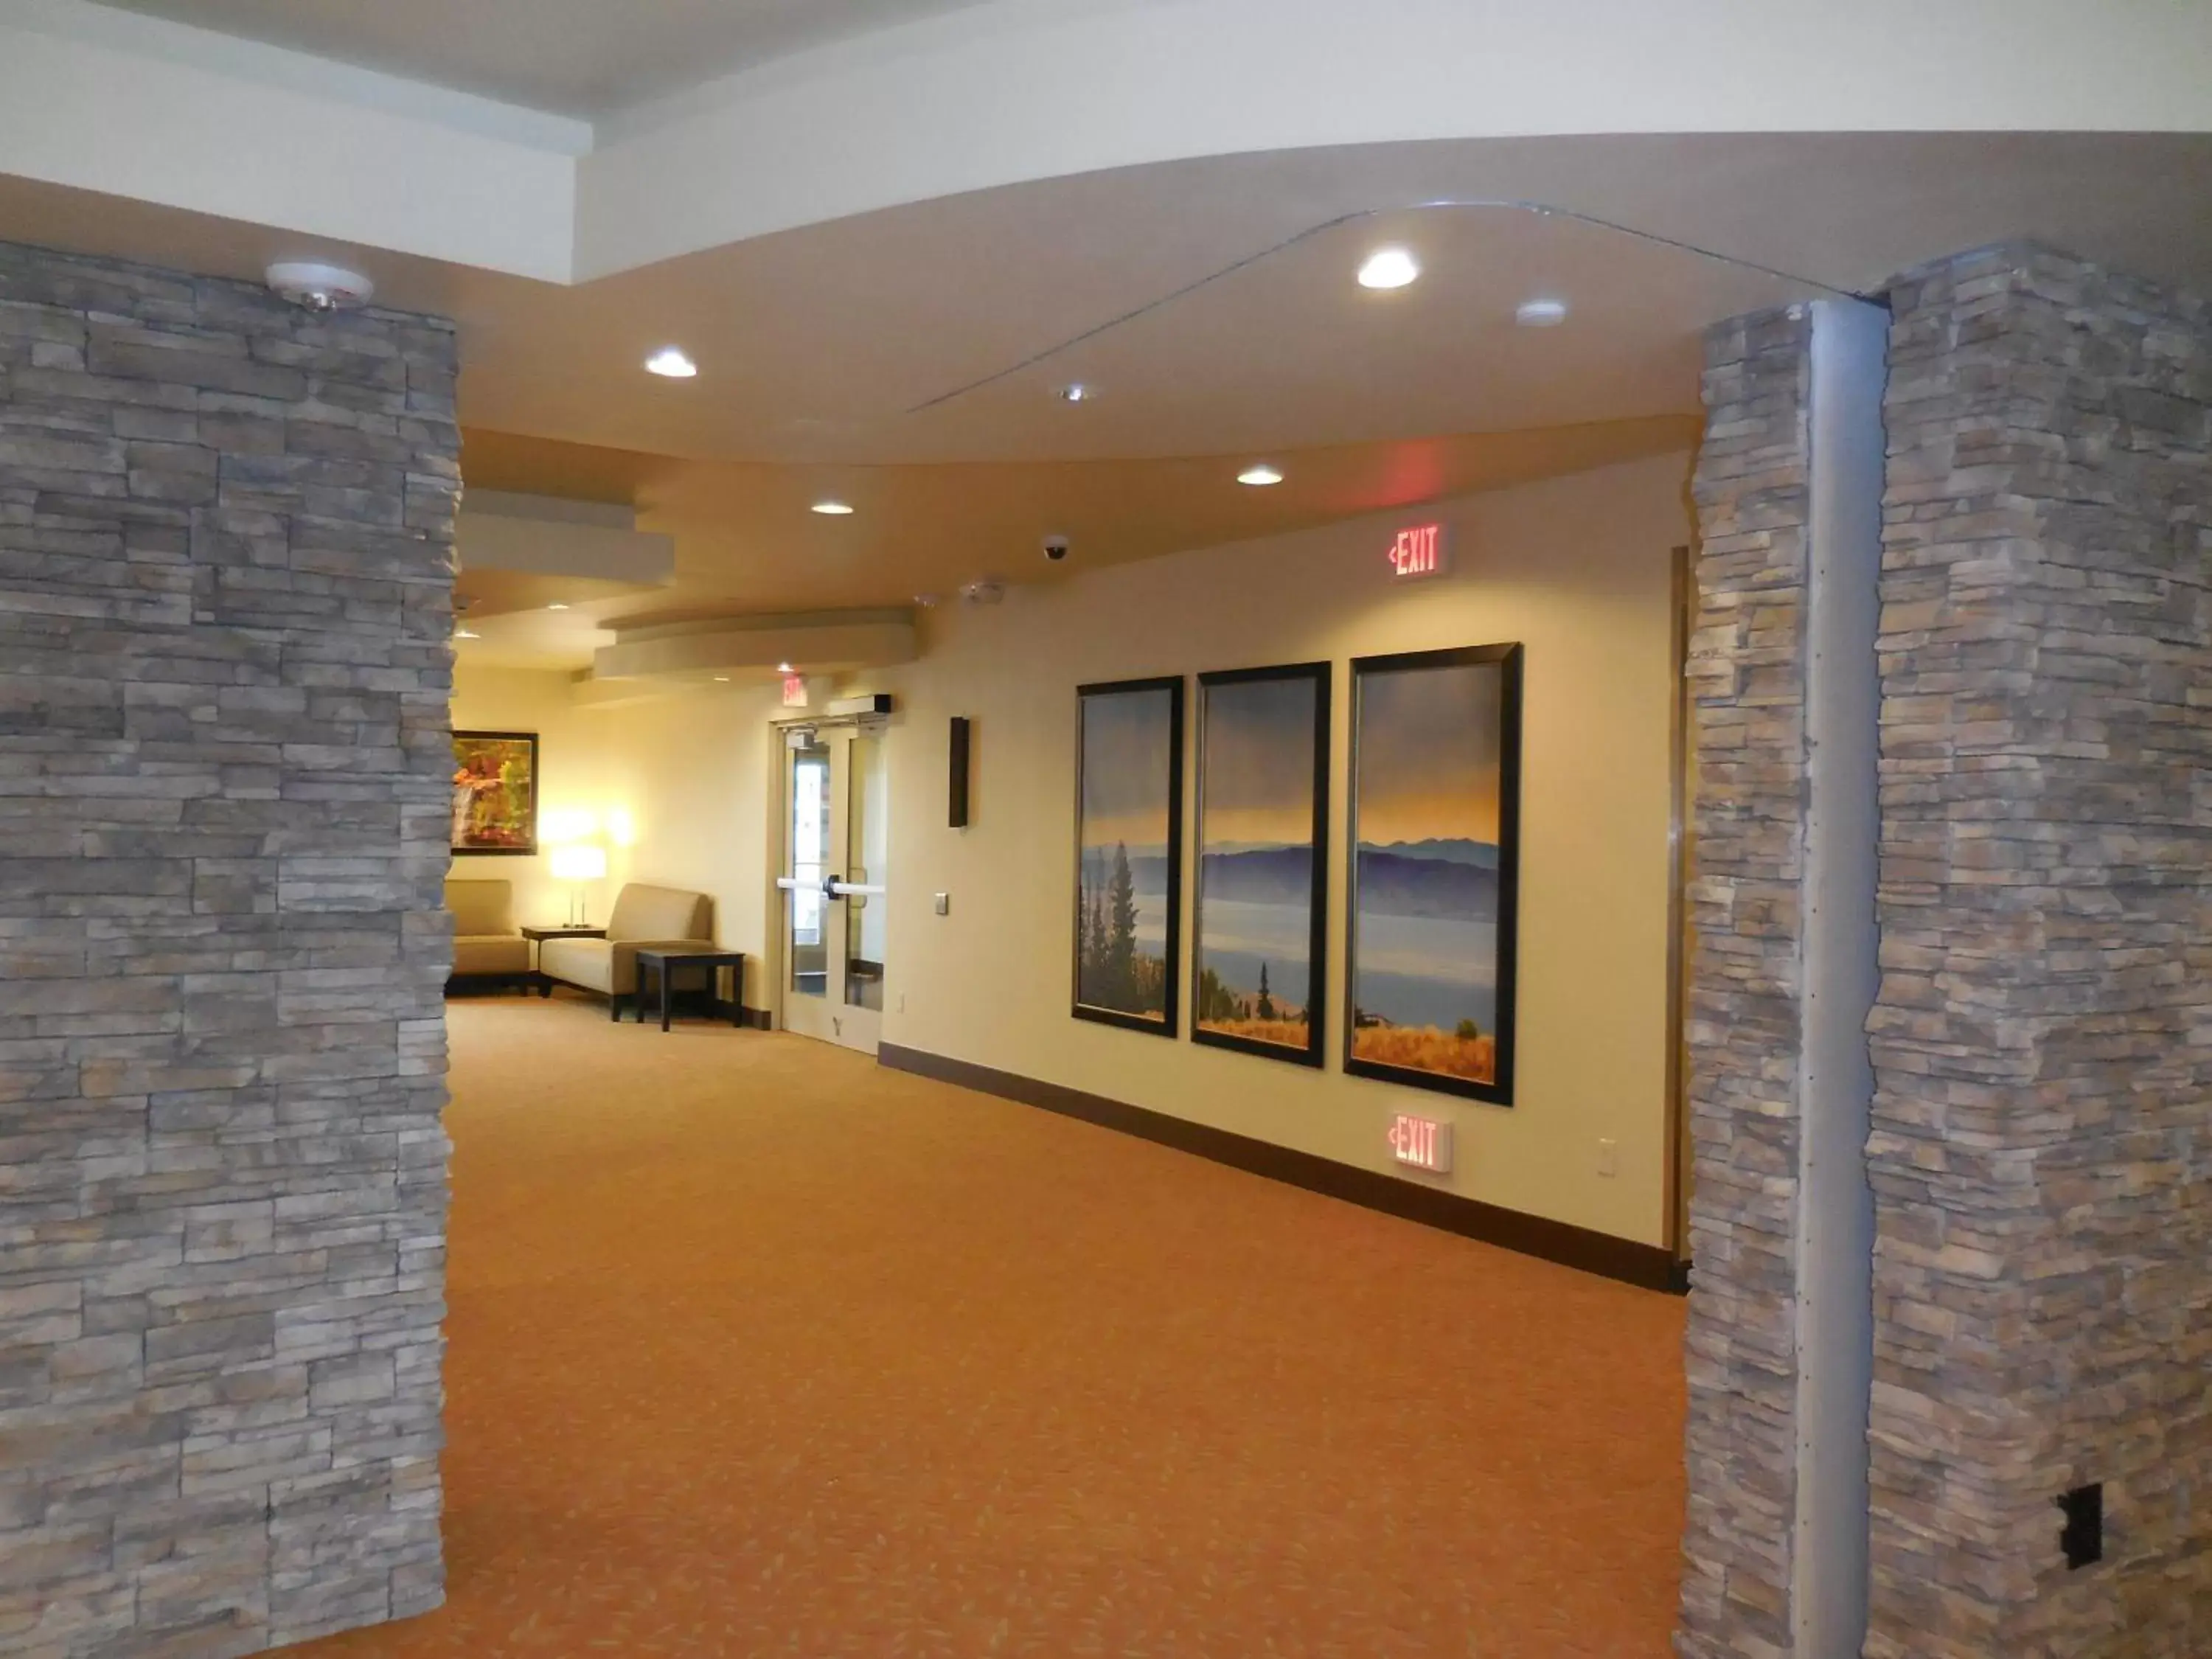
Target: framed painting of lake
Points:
(1436, 765)
(1258, 966)
(1128, 853)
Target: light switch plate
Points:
(945, 904)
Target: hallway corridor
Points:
(757, 1349)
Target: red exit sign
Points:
(1418, 552)
(1422, 1142)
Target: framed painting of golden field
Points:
(1260, 946)
(1436, 808)
(495, 793)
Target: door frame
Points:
(778, 843)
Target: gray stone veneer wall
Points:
(2042, 1144)
(1748, 679)
(225, 601)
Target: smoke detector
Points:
(314, 286)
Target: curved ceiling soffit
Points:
(1799, 283)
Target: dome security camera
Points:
(1055, 547)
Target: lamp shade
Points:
(583, 862)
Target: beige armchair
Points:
(642, 916)
(487, 945)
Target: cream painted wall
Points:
(1578, 570)
(691, 772)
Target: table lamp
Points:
(580, 863)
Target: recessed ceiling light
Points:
(557, 607)
(467, 634)
(1540, 314)
(1078, 393)
(1389, 267)
(783, 668)
(834, 509)
(671, 364)
(1259, 476)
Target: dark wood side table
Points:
(663, 962)
(539, 935)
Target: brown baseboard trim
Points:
(754, 1018)
(1648, 1266)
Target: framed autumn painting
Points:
(495, 793)
(1436, 808)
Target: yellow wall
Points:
(1578, 570)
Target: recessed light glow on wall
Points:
(1259, 476)
(1389, 267)
(834, 509)
(783, 668)
(467, 634)
(1540, 314)
(557, 607)
(671, 364)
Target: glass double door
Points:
(837, 846)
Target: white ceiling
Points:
(582, 57)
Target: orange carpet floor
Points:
(757, 1349)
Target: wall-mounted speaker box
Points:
(958, 816)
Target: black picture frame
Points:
(528, 848)
(1166, 1026)
(1499, 1091)
(1322, 676)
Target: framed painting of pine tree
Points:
(1128, 853)
(1436, 812)
(1259, 973)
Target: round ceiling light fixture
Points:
(671, 364)
(314, 286)
(834, 509)
(1259, 476)
(1540, 314)
(1390, 267)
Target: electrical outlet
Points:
(1608, 1158)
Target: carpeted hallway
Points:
(757, 1349)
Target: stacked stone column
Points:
(1747, 674)
(2040, 1143)
(2042, 1146)
(226, 572)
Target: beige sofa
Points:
(642, 915)
(487, 945)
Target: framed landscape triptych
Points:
(1431, 912)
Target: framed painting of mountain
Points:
(1258, 957)
(1128, 853)
(1436, 790)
